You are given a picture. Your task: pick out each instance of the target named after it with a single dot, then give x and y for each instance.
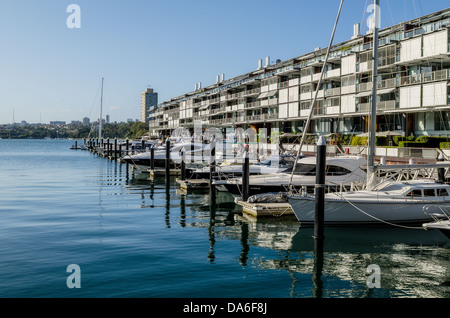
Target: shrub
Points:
(397, 139)
(415, 144)
(359, 141)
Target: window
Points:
(348, 80)
(415, 193)
(305, 105)
(305, 169)
(337, 171)
(305, 88)
(442, 120)
(329, 102)
(442, 192)
(306, 72)
(429, 193)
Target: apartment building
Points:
(413, 91)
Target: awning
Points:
(379, 92)
(272, 93)
(267, 94)
(364, 94)
(262, 95)
(385, 91)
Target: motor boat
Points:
(141, 160)
(342, 171)
(392, 202)
(226, 170)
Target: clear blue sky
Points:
(49, 70)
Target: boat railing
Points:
(437, 211)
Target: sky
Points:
(50, 72)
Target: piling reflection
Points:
(211, 233)
(413, 263)
(337, 266)
(318, 267)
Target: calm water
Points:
(133, 237)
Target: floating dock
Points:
(160, 172)
(193, 184)
(266, 209)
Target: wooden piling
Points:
(167, 162)
(320, 190)
(245, 177)
(212, 170)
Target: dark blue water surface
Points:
(134, 237)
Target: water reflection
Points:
(413, 263)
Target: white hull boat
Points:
(342, 171)
(391, 202)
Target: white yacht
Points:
(342, 171)
(141, 161)
(390, 202)
(226, 170)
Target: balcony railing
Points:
(284, 84)
(253, 104)
(384, 105)
(333, 92)
(252, 91)
(440, 75)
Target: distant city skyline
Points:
(83, 121)
(52, 72)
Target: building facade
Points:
(86, 121)
(413, 91)
(149, 100)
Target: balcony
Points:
(386, 105)
(333, 92)
(253, 91)
(440, 75)
(284, 84)
(381, 106)
(364, 87)
(305, 79)
(316, 77)
(333, 73)
(253, 104)
(214, 100)
(273, 101)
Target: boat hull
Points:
(341, 212)
(443, 226)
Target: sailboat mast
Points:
(313, 103)
(373, 112)
(100, 121)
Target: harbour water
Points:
(134, 237)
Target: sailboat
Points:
(84, 146)
(388, 202)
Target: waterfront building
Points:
(413, 88)
(86, 121)
(149, 100)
